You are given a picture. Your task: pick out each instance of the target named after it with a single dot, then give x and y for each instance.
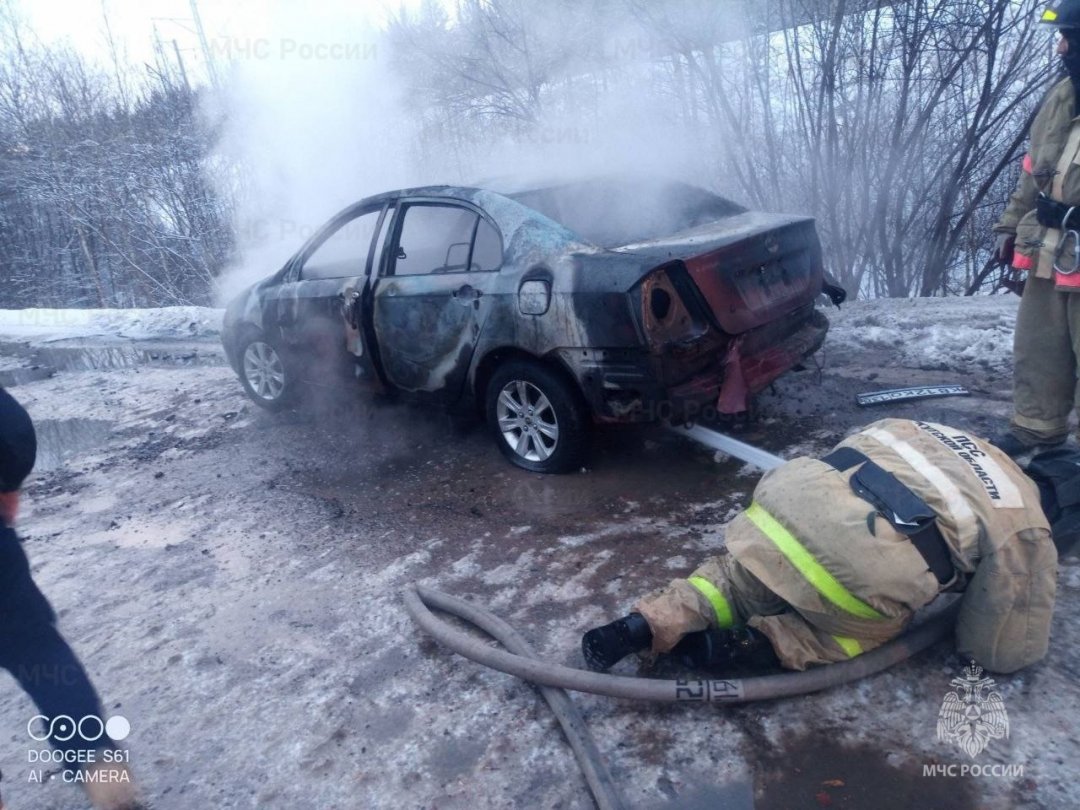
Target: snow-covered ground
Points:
(42, 325)
(232, 579)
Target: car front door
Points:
(319, 309)
(434, 294)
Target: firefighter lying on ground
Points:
(834, 557)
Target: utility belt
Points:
(906, 512)
(1066, 218)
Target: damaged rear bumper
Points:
(703, 382)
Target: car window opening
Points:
(612, 212)
(344, 253)
(445, 239)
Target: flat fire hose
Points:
(762, 459)
(520, 662)
(417, 600)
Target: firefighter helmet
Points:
(1062, 14)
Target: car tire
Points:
(537, 417)
(265, 375)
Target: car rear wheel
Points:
(538, 418)
(264, 374)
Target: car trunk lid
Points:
(750, 269)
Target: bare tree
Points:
(897, 125)
(104, 201)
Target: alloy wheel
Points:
(527, 420)
(264, 371)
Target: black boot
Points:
(1016, 448)
(718, 649)
(607, 645)
(1066, 530)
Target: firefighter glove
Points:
(1003, 249)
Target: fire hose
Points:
(520, 660)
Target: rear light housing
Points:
(666, 317)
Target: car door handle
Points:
(467, 294)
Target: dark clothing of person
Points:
(34, 652)
(18, 443)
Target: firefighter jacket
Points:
(1052, 165)
(825, 575)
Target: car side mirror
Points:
(459, 247)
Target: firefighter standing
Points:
(834, 557)
(1038, 233)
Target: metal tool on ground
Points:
(909, 394)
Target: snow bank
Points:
(922, 332)
(930, 332)
(43, 325)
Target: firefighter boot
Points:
(1021, 450)
(1066, 530)
(605, 646)
(716, 649)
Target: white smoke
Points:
(314, 122)
(318, 117)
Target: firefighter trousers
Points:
(723, 593)
(1046, 348)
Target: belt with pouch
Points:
(905, 511)
(1053, 214)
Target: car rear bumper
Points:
(623, 386)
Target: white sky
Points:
(81, 22)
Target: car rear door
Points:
(434, 294)
(319, 310)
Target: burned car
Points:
(547, 310)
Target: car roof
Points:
(454, 192)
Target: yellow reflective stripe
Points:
(806, 565)
(1049, 15)
(724, 616)
(848, 645)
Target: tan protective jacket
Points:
(1052, 165)
(817, 570)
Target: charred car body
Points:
(548, 309)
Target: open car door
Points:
(434, 295)
(320, 311)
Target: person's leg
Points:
(799, 643)
(34, 652)
(719, 596)
(1073, 313)
(50, 673)
(1044, 363)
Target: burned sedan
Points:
(546, 310)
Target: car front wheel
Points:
(264, 374)
(538, 418)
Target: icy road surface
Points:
(232, 580)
